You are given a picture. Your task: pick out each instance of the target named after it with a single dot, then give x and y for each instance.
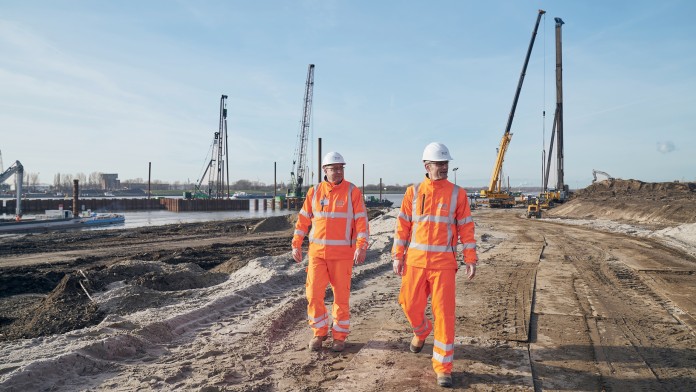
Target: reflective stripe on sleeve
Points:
(401, 242)
(300, 232)
(404, 217)
(464, 221)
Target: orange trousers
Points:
(417, 284)
(320, 273)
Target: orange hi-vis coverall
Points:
(434, 215)
(338, 218)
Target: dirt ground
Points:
(600, 294)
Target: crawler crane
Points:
(497, 198)
(297, 175)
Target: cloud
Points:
(665, 147)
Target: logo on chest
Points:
(442, 206)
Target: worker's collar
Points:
(333, 184)
(436, 183)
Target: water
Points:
(162, 217)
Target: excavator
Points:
(18, 170)
(605, 174)
(497, 197)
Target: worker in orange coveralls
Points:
(434, 215)
(335, 209)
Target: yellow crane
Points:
(497, 197)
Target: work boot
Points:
(416, 345)
(338, 345)
(316, 343)
(444, 380)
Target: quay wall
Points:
(39, 206)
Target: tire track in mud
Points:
(623, 309)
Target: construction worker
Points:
(434, 215)
(335, 209)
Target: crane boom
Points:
(18, 170)
(300, 162)
(494, 192)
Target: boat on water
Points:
(96, 219)
(244, 195)
(371, 201)
(59, 220)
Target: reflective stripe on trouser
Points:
(416, 285)
(320, 273)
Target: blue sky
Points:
(108, 86)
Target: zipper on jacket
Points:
(423, 204)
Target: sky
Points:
(111, 87)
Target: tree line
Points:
(63, 182)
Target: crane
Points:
(217, 167)
(297, 175)
(498, 198)
(216, 177)
(18, 170)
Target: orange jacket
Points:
(434, 215)
(338, 218)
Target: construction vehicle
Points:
(18, 170)
(299, 163)
(548, 196)
(497, 197)
(595, 172)
(533, 207)
(217, 167)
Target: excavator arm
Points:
(18, 170)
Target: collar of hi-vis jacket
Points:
(349, 215)
(419, 217)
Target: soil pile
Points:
(632, 201)
(66, 308)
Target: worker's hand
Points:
(359, 256)
(297, 254)
(471, 271)
(398, 267)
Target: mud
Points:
(568, 302)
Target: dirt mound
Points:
(155, 275)
(66, 308)
(640, 189)
(632, 201)
(275, 223)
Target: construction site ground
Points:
(599, 294)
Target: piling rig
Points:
(299, 163)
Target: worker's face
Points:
(437, 170)
(334, 173)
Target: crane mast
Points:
(217, 177)
(300, 163)
(496, 196)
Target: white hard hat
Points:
(436, 152)
(332, 158)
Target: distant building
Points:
(110, 181)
